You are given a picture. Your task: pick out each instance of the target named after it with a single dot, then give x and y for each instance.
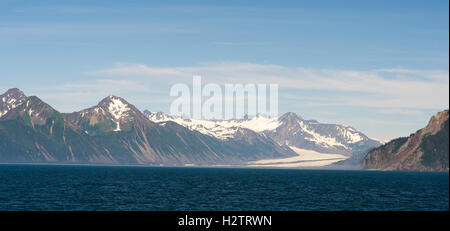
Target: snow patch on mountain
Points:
(117, 126)
(317, 138)
(207, 127)
(221, 129)
(350, 134)
(158, 116)
(289, 129)
(10, 100)
(117, 108)
(260, 123)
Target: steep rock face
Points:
(425, 150)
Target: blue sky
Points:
(379, 66)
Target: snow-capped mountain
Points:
(289, 129)
(110, 114)
(320, 137)
(221, 129)
(35, 132)
(116, 132)
(117, 108)
(10, 100)
(158, 116)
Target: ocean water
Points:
(58, 187)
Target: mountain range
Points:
(289, 129)
(116, 132)
(425, 150)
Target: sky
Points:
(381, 67)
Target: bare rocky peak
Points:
(13, 93)
(290, 117)
(436, 123)
(157, 116)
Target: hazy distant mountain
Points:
(425, 150)
(289, 130)
(115, 132)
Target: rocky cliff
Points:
(425, 150)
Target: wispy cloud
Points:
(384, 88)
(398, 98)
(216, 68)
(226, 43)
(400, 111)
(83, 94)
(72, 29)
(74, 10)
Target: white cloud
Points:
(74, 29)
(398, 99)
(400, 111)
(390, 87)
(149, 86)
(226, 43)
(72, 96)
(218, 69)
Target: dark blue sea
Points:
(59, 187)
